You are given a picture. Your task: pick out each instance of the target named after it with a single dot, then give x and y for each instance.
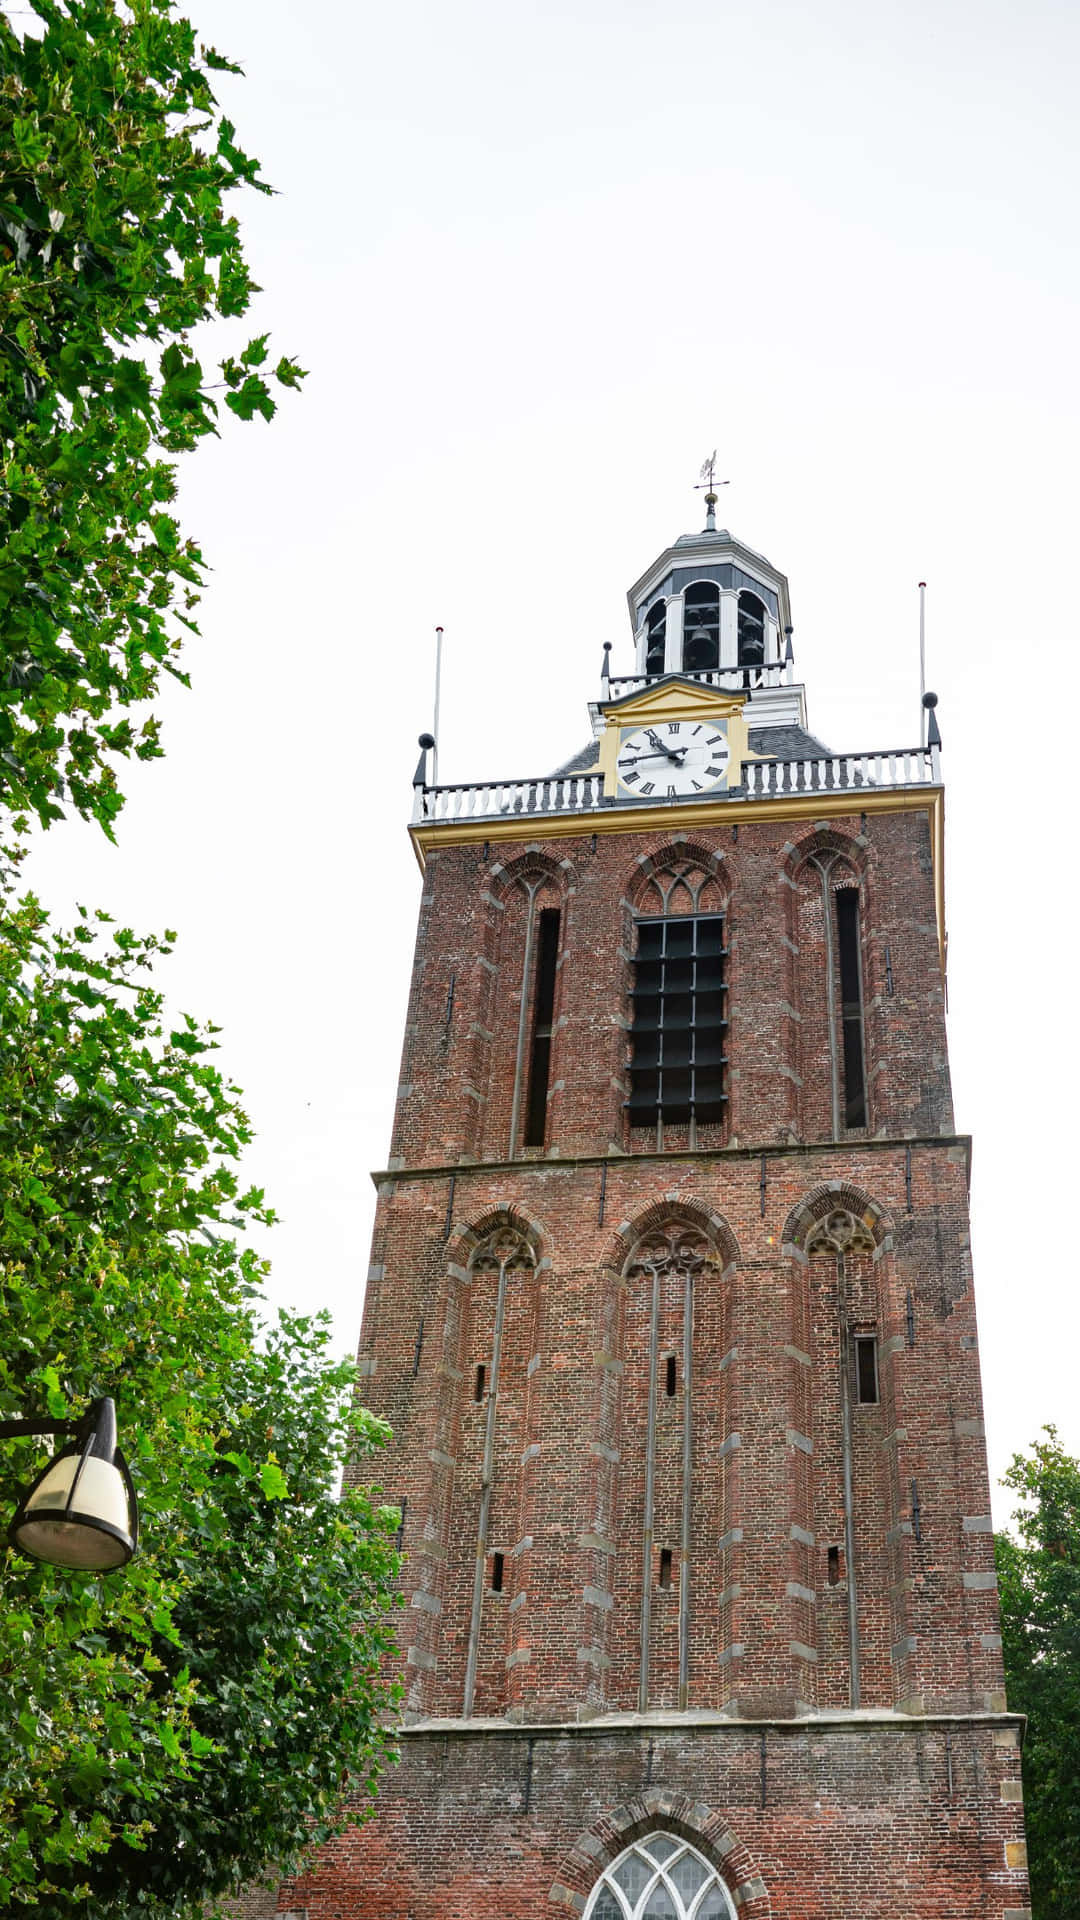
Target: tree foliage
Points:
(1039, 1581)
(115, 244)
(166, 1731)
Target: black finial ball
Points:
(426, 740)
(607, 646)
(929, 700)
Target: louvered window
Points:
(678, 1064)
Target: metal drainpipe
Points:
(849, 1497)
(830, 994)
(486, 1476)
(650, 1476)
(687, 1492)
(523, 1016)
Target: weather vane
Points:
(707, 479)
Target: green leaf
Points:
(253, 397)
(272, 1481)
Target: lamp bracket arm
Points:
(25, 1429)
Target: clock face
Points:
(673, 760)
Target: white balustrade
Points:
(762, 779)
(728, 679)
(904, 767)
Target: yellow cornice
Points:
(693, 816)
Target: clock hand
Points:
(678, 754)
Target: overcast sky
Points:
(541, 259)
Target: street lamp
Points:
(81, 1510)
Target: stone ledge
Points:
(706, 1720)
(703, 1156)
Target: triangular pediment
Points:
(672, 698)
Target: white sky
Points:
(540, 260)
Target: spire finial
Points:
(707, 479)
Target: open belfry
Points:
(670, 1309)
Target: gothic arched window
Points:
(751, 631)
(679, 1025)
(660, 1878)
(656, 631)
(701, 627)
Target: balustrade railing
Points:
(777, 673)
(761, 779)
(899, 767)
(554, 793)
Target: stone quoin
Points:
(670, 1309)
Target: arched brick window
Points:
(678, 1004)
(660, 1877)
(830, 935)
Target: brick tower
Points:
(670, 1309)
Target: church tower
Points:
(670, 1309)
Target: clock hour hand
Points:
(678, 754)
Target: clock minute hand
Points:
(678, 754)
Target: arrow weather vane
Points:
(707, 479)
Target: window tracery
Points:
(840, 1232)
(660, 1877)
(682, 886)
(504, 1247)
(671, 1249)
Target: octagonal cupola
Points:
(711, 605)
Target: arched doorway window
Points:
(656, 629)
(660, 1878)
(751, 631)
(701, 627)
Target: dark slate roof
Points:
(787, 743)
(581, 762)
(776, 743)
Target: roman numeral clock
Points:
(674, 758)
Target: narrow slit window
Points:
(834, 1566)
(497, 1564)
(866, 1380)
(847, 929)
(665, 1567)
(478, 1389)
(670, 1376)
(540, 1060)
(677, 1069)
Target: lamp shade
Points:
(81, 1510)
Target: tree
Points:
(115, 246)
(1039, 1582)
(167, 1731)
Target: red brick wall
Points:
(868, 1821)
(858, 1818)
(572, 1387)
